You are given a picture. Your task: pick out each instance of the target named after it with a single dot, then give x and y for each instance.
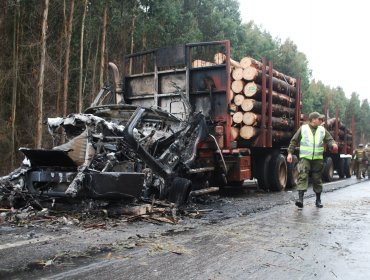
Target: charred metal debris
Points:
(110, 152)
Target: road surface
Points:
(235, 240)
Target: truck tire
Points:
(263, 172)
(348, 168)
(340, 169)
(278, 172)
(179, 191)
(293, 172)
(327, 170)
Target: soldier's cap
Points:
(316, 115)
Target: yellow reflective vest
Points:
(311, 146)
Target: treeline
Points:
(54, 57)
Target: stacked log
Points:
(247, 62)
(344, 133)
(245, 101)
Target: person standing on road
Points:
(367, 155)
(311, 138)
(360, 159)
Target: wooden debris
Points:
(137, 210)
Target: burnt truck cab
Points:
(163, 145)
(114, 151)
(83, 166)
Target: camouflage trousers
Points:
(360, 169)
(306, 167)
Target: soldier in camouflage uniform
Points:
(367, 161)
(360, 159)
(311, 138)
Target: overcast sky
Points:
(334, 35)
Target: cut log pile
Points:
(344, 133)
(245, 100)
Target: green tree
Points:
(337, 97)
(353, 109)
(257, 43)
(364, 125)
(164, 23)
(293, 63)
(314, 97)
(217, 19)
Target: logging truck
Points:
(251, 110)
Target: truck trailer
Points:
(235, 151)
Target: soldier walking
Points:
(311, 138)
(367, 163)
(360, 158)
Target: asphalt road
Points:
(243, 234)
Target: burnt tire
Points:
(278, 173)
(328, 170)
(293, 172)
(263, 172)
(179, 191)
(348, 168)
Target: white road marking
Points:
(29, 241)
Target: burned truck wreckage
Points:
(112, 151)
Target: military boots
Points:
(318, 201)
(299, 201)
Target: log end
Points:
(248, 132)
(237, 74)
(250, 118)
(238, 99)
(247, 105)
(237, 86)
(238, 117)
(245, 62)
(250, 73)
(250, 89)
